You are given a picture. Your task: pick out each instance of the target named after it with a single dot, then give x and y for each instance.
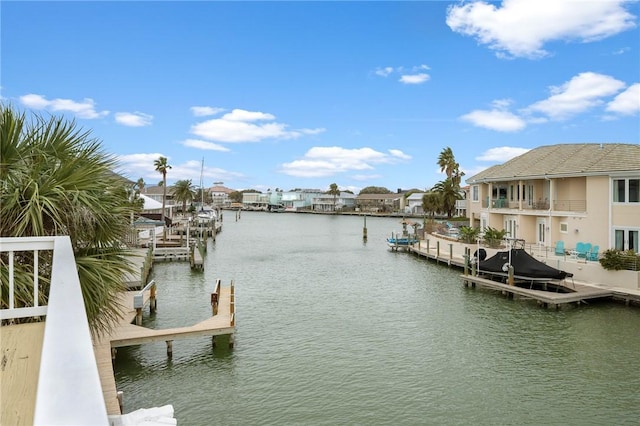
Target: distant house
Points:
(379, 203)
(586, 193)
(327, 203)
(220, 195)
(414, 203)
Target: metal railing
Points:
(69, 389)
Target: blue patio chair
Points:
(583, 249)
(560, 248)
(593, 253)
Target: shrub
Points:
(468, 234)
(617, 260)
(493, 237)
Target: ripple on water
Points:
(334, 331)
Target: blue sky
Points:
(304, 94)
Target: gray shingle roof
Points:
(566, 160)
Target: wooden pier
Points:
(222, 322)
(451, 254)
(579, 293)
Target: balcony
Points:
(66, 387)
(556, 205)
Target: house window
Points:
(564, 227)
(626, 190)
(475, 193)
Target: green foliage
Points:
(493, 237)
(56, 180)
(468, 234)
(183, 192)
(235, 197)
(617, 260)
(374, 190)
(431, 203)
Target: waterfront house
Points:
(379, 203)
(414, 203)
(327, 203)
(573, 193)
(220, 196)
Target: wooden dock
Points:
(578, 293)
(127, 334)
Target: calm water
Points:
(332, 330)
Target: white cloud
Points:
(85, 109)
(408, 75)
(204, 145)
(627, 102)
(201, 111)
(414, 78)
(247, 126)
(384, 72)
(495, 119)
(328, 161)
(399, 154)
(520, 28)
(579, 94)
(141, 165)
(133, 119)
(500, 154)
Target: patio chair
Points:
(583, 250)
(559, 248)
(593, 253)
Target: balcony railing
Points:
(69, 389)
(557, 205)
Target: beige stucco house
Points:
(573, 193)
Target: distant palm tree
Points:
(431, 203)
(447, 161)
(139, 185)
(162, 166)
(449, 193)
(183, 191)
(335, 191)
(56, 180)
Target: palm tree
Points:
(162, 166)
(449, 193)
(447, 161)
(183, 191)
(431, 203)
(56, 180)
(335, 191)
(139, 185)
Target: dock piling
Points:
(170, 348)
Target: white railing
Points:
(69, 390)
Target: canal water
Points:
(332, 330)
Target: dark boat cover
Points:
(524, 265)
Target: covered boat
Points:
(525, 266)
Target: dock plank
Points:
(21, 346)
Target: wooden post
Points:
(450, 253)
(466, 265)
(427, 245)
(170, 348)
(213, 341)
(511, 279)
(364, 229)
(138, 316)
(214, 303)
(114, 351)
(231, 341)
(437, 250)
(119, 398)
(152, 300)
